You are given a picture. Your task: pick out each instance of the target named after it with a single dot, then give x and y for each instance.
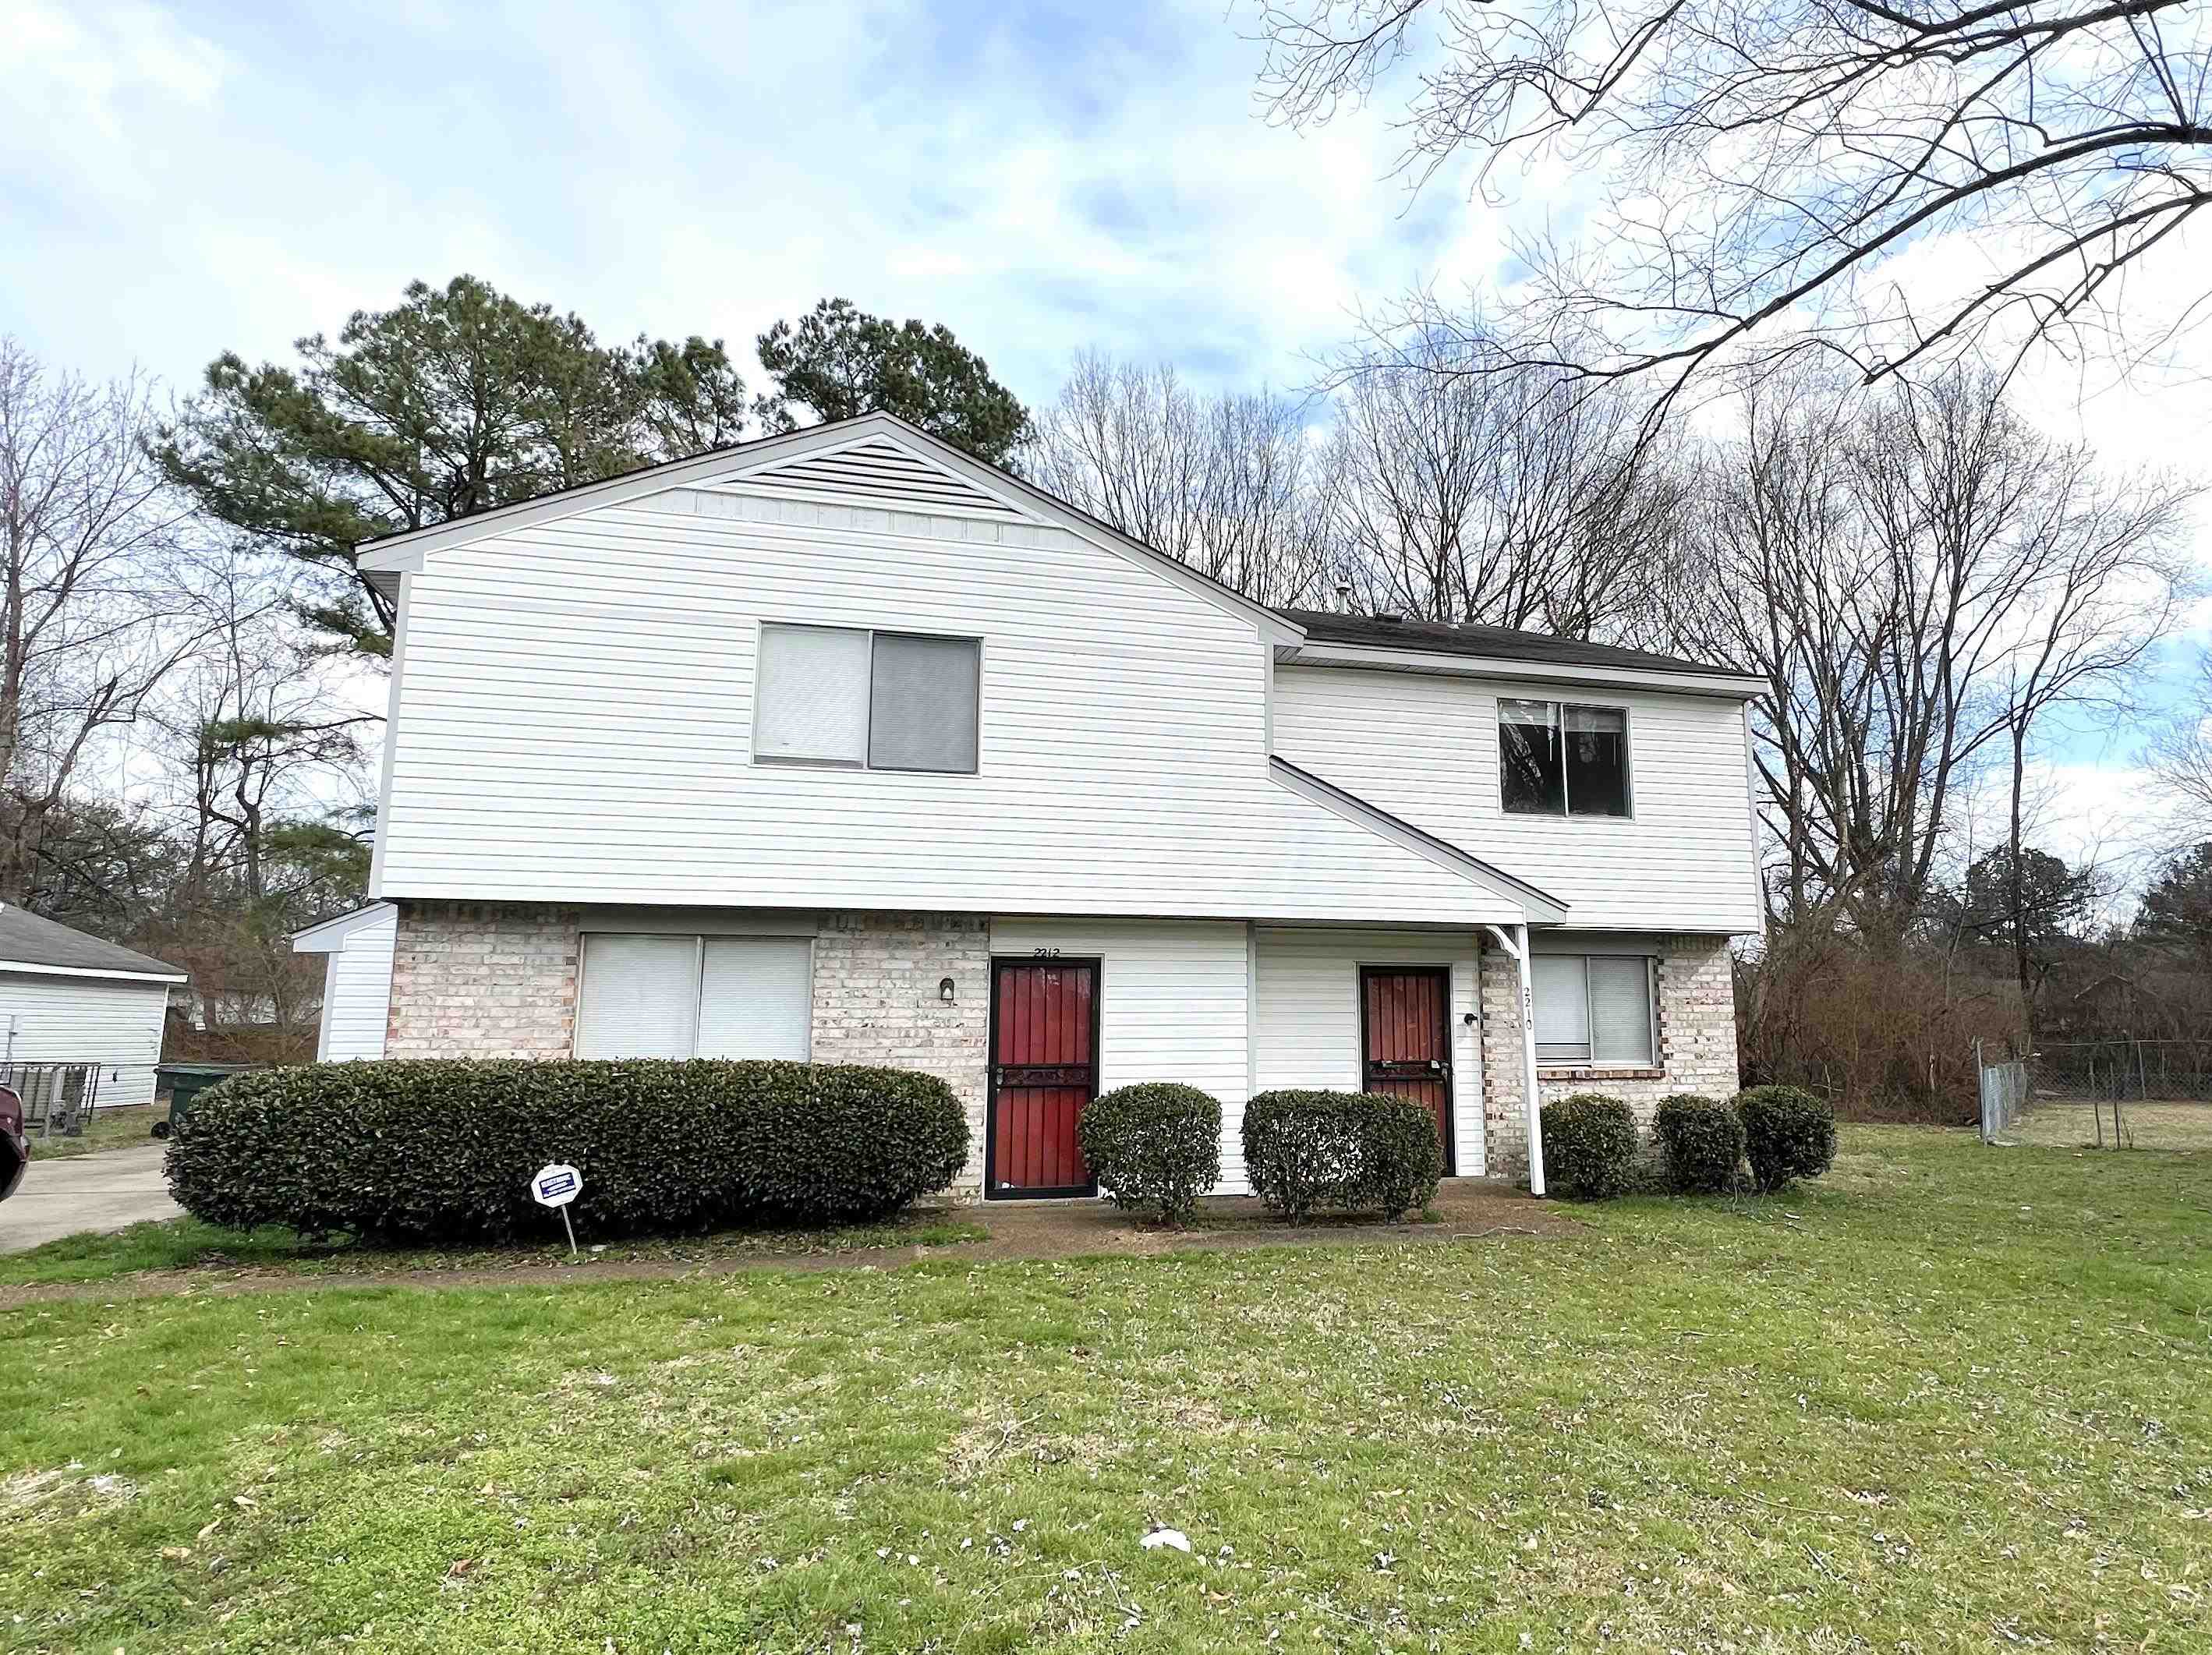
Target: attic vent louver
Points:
(881, 473)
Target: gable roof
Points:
(1489, 643)
(906, 456)
(329, 935)
(46, 947)
(1542, 904)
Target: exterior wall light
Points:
(945, 991)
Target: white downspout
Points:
(1526, 963)
(1517, 944)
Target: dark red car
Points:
(15, 1147)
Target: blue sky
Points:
(1041, 178)
(176, 181)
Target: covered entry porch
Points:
(1082, 1006)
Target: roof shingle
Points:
(28, 940)
(1493, 643)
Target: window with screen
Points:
(881, 700)
(694, 997)
(1594, 1009)
(1558, 759)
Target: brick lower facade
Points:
(482, 979)
(1696, 993)
(491, 979)
(879, 998)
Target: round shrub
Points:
(1703, 1142)
(1358, 1151)
(1156, 1145)
(1787, 1134)
(440, 1150)
(1589, 1146)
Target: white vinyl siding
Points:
(1172, 1007)
(357, 991)
(113, 1023)
(685, 996)
(1594, 1009)
(1308, 1015)
(576, 700)
(1425, 747)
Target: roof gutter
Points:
(1732, 686)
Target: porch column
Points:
(1516, 943)
(1526, 964)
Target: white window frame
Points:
(698, 941)
(1590, 1018)
(1567, 811)
(788, 760)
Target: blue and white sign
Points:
(557, 1185)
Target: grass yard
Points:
(1954, 1399)
(2153, 1123)
(108, 1129)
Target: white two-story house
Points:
(842, 746)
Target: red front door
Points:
(1044, 1068)
(1405, 1018)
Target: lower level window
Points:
(694, 997)
(1594, 1009)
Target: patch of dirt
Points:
(1465, 1210)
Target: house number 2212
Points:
(1046, 954)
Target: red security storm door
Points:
(1044, 1068)
(1405, 1031)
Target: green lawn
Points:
(1954, 1398)
(108, 1129)
(187, 1244)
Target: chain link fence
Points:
(2106, 1095)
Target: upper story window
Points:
(1555, 758)
(884, 701)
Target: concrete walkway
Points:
(105, 1191)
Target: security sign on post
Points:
(557, 1185)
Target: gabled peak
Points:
(880, 470)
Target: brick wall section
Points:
(1697, 1047)
(876, 1000)
(482, 979)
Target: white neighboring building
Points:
(66, 997)
(843, 745)
(356, 979)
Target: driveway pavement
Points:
(106, 1192)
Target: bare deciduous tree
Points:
(91, 601)
(1223, 483)
(1766, 158)
(1921, 578)
(1502, 500)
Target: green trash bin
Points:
(186, 1081)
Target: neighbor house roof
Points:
(29, 943)
(1488, 643)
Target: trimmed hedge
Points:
(1788, 1134)
(439, 1150)
(1703, 1142)
(1589, 1146)
(1360, 1151)
(1156, 1145)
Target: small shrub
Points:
(1589, 1146)
(1156, 1145)
(1360, 1151)
(1703, 1142)
(1787, 1134)
(439, 1150)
